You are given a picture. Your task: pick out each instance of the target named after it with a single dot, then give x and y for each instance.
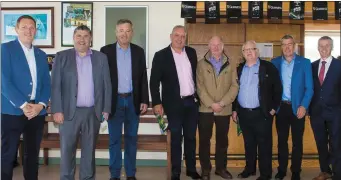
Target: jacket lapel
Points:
(73, 63)
(261, 73)
(330, 71)
(134, 65)
(172, 63)
(22, 58)
(315, 72)
(297, 65)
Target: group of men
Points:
(88, 87)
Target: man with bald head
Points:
(217, 88)
(174, 67)
(258, 98)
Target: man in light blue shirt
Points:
(297, 80)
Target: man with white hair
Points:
(217, 88)
(259, 96)
(325, 110)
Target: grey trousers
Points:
(84, 126)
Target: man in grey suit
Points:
(80, 101)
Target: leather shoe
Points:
(193, 175)
(205, 177)
(224, 174)
(323, 176)
(115, 179)
(295, 176)
(263, 178)
(175, 177)
(246, 174)
(131, 178)
(280, 175)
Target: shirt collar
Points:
(119, 47)
(292, 61)
(257, 63)
(214, 60)
(328, 60)
(24, 47)
(183, 50)
(89, 52)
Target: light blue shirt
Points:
(248, 89)
(286, 73)
(124, 71)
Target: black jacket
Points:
(139, 75)
(270, 87)
(164, 72)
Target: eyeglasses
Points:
(249, 49)
(289, 44)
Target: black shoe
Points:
(263, 178)
(115, 179)
(224, 174)
(295, 176)
(246, 174)
(131, 178)
(175, 178)
(205, 177)
(193, 175)
(280, 175)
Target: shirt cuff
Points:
(42, 104)
(22, 106)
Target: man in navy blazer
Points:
(297, 80)
(325, 110)
(25, 92)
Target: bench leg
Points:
(46, 157)
(169, 162)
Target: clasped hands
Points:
(32, 110)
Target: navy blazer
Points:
(301, 82)
(328, 95)
(16, 80)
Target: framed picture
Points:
(138, 15)
(44, 17)
(74, 14)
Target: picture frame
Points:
(44, 17)
(138, 14)
(74, 14)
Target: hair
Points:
(25, 17)
(327, 38)
(82, 28)
(287, 36)
(124, 21)
(177, 27)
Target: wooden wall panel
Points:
(200, 33)
(225, 31)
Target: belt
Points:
(286, 102)
(187, 97)
(251, 109)
(124, 95)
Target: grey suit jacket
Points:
(64, 83)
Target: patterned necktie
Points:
(321, 75)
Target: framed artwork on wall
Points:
(44, 17)
(74, 14)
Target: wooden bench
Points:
(153, 143)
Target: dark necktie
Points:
(321, 75)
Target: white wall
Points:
(163, 16)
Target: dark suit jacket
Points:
(270, 87)
(139, 75)
(164, 72)
(328, 96)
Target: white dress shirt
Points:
(31, 60)
(327, 65)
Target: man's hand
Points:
(158, 109)
(301, 112)
(272, 112)
(234, 116)
(105, 116)
(216, 107)
(32, 110)
(143, 108)
(58, 118)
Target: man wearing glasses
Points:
(259, 96)
(297, 81)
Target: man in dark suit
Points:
(80, 100)
(25, 92)
(259, 96)
(325, 110)
(175, 68)
(130, 98)
(297, 81)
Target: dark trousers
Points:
(257, 133)
(11, 128)
(185, 120)
(205, 125)
(125, 114)
(327, 132)
(285, 119)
